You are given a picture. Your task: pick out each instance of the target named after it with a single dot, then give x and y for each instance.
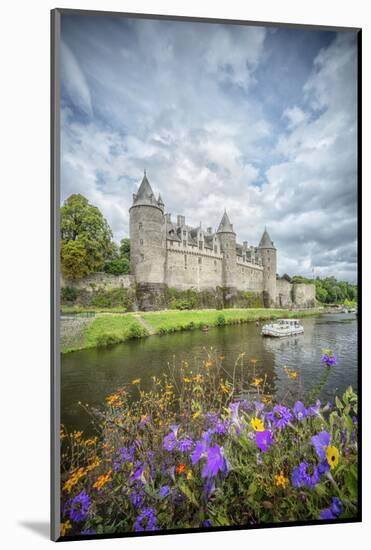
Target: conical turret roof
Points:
(266, 241)
(225, 225)
(145, 189)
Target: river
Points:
(89, 376)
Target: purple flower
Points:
(326, 514)
(215, 462)
(78, 507)
(125, 454)
(170, 441)
(185, 444)
(313, 410)
(302, 476)
(320, 443)
(209, 487)
(334, 511)
(300, 412)
(138, 472)
(144, 421)
(337, 506)
(88, 532)
(201, 447)
(146, 521)
(323, 467)
(264, 440)
(164, 491)
(137, 498)
(329, 359)
(280, 416)
(259, 406)
(208, 523)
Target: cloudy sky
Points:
(260, 121)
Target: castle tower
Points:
(147, 242)
(269, 260)
(227, 240)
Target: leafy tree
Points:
(74, 259)
(84, 225)
(125, 248)
(117, 266)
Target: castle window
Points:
(185, 261)
(184, 243)
(141, 241)
(140, 225)
(200, 260)
(185, 233)
(200, 245)
(215, 249)
(142, 257)
(171, 243)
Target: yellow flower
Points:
(257, 381)
(257, 424)
(267, 400)
(253, 360)
(281, 480)
(189, 474)
(102, 480)
(93, 465)
(332, 455)
(136, 381)
(74, 479)
(77, 435)
(221, 357)
(65, 526)
(187, 380)
(208, 364)
(293, 375)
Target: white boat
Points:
(283, 327)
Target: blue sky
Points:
(261, 121)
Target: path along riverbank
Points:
(108, 328)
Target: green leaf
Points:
(338, 403)
(186, 490)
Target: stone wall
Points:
(186, 269)
(99, 281)
(304, 295)
(284, 293)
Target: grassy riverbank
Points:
(107, 329)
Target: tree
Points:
(125, 248)
(84, 224)
(117, 266)
(74, 259)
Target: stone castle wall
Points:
(99, 281)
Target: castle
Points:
(172, 254)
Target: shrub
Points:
(69, 294)
(220, 320)
(118, 266)
(106, 340)
(136, 330)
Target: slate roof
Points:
(225, 225)
(266, 241)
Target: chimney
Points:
(180, 220)
(168, 217)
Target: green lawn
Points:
(112, 328)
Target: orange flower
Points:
(257, 381)
(65, 527)
(102, 480)
(253, 360)
(221, 357)
(180, 468)
(136, 381)
(74, 479)
(94, 464)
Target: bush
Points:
(69, 294)
(220, 320)
(112, 298)
(136, 330)
(106, 340)
(118, 266)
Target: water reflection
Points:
(89, 376)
